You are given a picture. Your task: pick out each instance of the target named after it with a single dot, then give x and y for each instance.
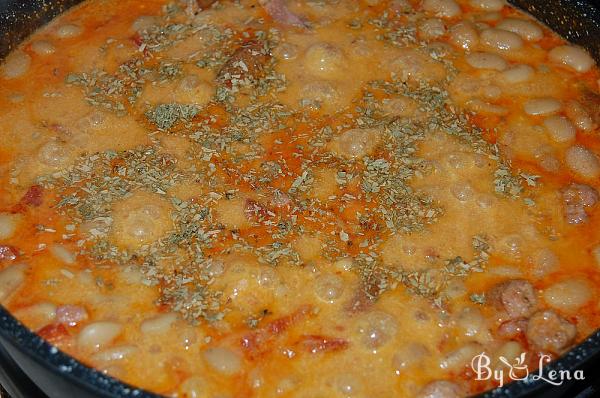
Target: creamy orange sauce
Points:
(300, 198)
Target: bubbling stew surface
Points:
(284, 198)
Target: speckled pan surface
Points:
(85, 381)
(18, 19)
(91, 383)
(578, 21)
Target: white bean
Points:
(560, 129)
(573, 57)
(54, 153)
(526, 29)
(286, 51)
(464, 35)
(487, 5)
(541, 106)
(329, 288)
(544, 262)
(357, 143)
(501, 39)
(441, 389)
(344, 264)
(320, 91)
(8, 225)
(187, 337)
(455, 288)
(189, 83)
(438, 50)
(348, 384)
(400, 106)
(158, 324)
(481, 26)
(98, 334)
(16, 98)
(68, 31)
(114, 354)
(144, 22)
(511, 350)
(442, 8)
(70, 314)
(582, 161)
(458, 160)
(63, 254)
(377, 328)
(470, 321)
(596, 254)
(43, 47)
(131, 275)
(324, 60)
(11, 278)
(511, 245)
(479, 106)
(485, 201)
(409, 355)
(432, 28)
(193, 387)
(16, 65)
(548, 162)
(491, 92)
(144, 223)
(361, 48)
(481, 60)
(286, 385)
(38, 315)
(568, 295)
(490, 16)
(507, 271)
(518, 74)
(93, 120)
(460, 357)
(223, 360)
(578, 115)
(462, 191)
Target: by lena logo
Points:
(517, 369)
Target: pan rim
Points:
(94, 381)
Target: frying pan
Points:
(30, 367)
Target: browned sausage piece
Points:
(591, 103)
(576, 198)
(548, 331)
(204, 4)
(441, 389)
(368, 292)
(512, 328)
(8, 252)
(516, 297)
(71, 315)
(280, 13)
(246, 65)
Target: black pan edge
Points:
(585, 356)
(20, 18)
(576, 20)
(24, 341)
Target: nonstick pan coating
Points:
(25, 357)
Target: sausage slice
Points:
(517, 297)
(548, 331)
